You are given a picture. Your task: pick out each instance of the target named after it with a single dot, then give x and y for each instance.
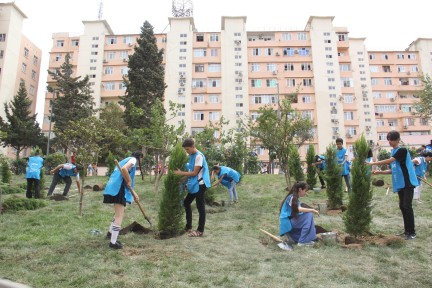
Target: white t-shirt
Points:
(199, 162)
(133, 160)
(69, 167)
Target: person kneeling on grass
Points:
(297, 222)
(229, 178)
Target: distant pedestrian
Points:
(342, 157)
(320, 164)
(34, 166)
(229, 178)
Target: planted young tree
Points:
(171, 210)
(74, 100)
(311, 169)
(382, 155)
(358, 216)
(295, 164)
(280, 128)
(145, 80)
(5, 171)
(333, 179)
(20, 130)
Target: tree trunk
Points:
(81, 192)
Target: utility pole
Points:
(49, 131)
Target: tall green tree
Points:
(171, 211)
(311, 169)
(358, 216)
(145, 79)
(333, 179)
(278, 129)
(423, 107)
(74, 100)
(20, 130)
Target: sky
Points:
(386, 24)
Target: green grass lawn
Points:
(53, 247)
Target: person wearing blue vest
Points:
(420, 166)
(198, 180)
(64, 171)
(342, 157)
(320, 164)
(34, 166)
(295, 221)
(119, 191)
(404, 181)
(229, 178)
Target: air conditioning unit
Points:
(237, 42)
(130, 44)
(277, 54)
(368, 128)
(180, 91)
(405, 126)
(296, 51)
(125, 60)
(348, 135)
(392, 99)
(274, 72)
(182, 83)
(105, 61)
(194, 86)
(240, 74)
(335, 121)
(408, 73)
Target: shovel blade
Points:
(285, 246)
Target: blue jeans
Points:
(233, 192)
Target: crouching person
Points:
(297, 222)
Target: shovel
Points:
(282, 245)
(136, 200)
(423, 180)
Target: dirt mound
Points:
(58, 197)
(136, 228)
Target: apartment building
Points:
(20, 59)
(345, 89)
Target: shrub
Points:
(295, 166)
(358, 217)
(16, 204)
(53, 160)
(7, 189)
(110, 163)
(19, 166)
(171, 211)
(5, 171)
(383, 154)
(311, 170)
(333, 179)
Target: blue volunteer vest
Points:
(116, 179)
(323, 165)
(34, 166)
(192, 181)
(340, 154)
(420, 170)
(284, 220)
(65, 172)
(398, 181)
(231, 175)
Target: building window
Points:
(198, 116)
(214, 52)
(289, 67)
(60, 43)
(110, 55)
(256, 83)
(199, 38)
(301, 36)
(256, 51)
(95, 45)
(349, 115)
(35, 60)
(214, 83)
(214, 37)
(291, 82)
(112, 40)
(75, 43)
(307, 82)
(200, 52)
(199, 99)
(2, 37)
(255, 67)
(23, 67)
(213, 116)
(109, 70)
(271, 67)
(183, 42)
(306, 66)
(306, 99)
(199, 67)
(32, 90)
(33, 75)
(388, 81)
(127, 40)
(214, 99)
(58, 57)
(26, 52)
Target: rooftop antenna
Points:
(182, 8)
(100, 14)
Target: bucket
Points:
(329, 237)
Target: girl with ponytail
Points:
(296, 222)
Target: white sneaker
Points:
(307, 244)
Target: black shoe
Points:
(410, 236)
(108, 236)
(117, 245)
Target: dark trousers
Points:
(56, 179)
(320, 172)
(405, 205)
(200, 204)
(30, 182)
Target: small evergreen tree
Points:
(171, 211)
(5, 171)
(295, 164)
(382, 155)
(358, 217)
(333, 179)
(21, 129)
(311, 170)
